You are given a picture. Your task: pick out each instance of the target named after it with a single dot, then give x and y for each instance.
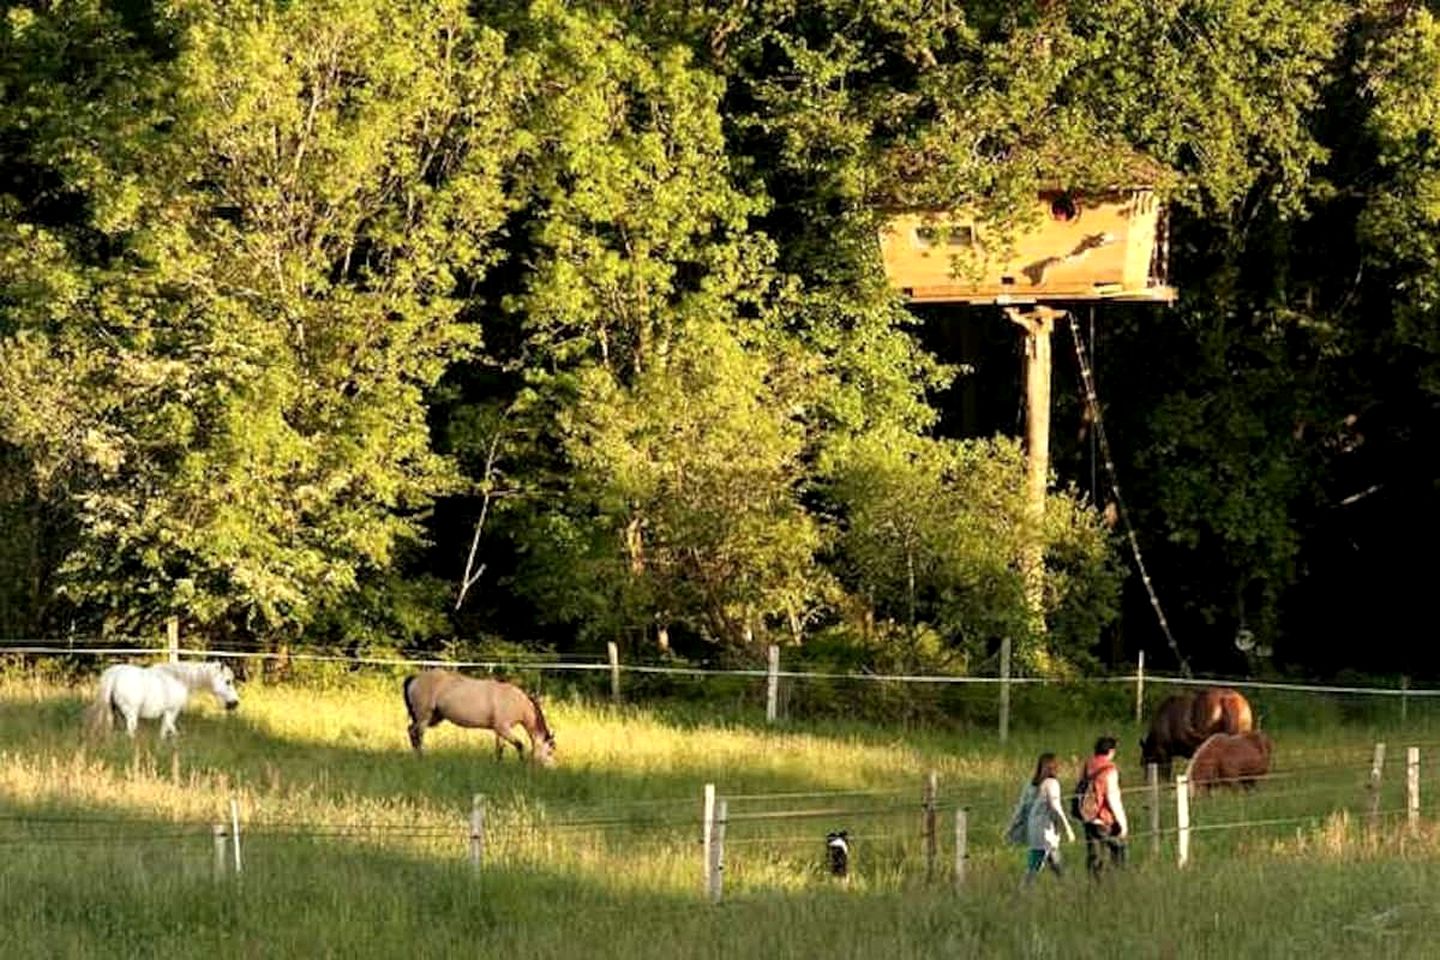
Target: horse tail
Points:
(409, 707)
(99, 715)
(1243, 720)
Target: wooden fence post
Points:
(707, 834)
(932, 783)
(218, 830)
(1404, 700)
(1152, 783)
(1377, 767)
(172, 639)
(1412, 788)
(931, 793)
(477, 831)
(717, 852)
(1140, 687)
(1182, 819)
(772, 684)
(961, 842)
(1004, 689)
(235, 830)
(614, 652)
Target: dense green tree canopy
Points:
(300, 301)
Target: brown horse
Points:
(437, 695)
(1183, 721)
(1226, 760)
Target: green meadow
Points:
(352, 846)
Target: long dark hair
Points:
(1045, 768)
(540, 718)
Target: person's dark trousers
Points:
(1103, 849)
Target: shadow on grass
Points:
(138, 893)
(83, 880)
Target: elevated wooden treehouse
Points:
(1072, 247)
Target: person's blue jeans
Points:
(1038, 860)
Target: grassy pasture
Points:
(355, 848)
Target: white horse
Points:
(157, 691)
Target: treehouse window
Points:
(961, 236)
(1063, 207)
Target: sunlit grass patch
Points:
(353, 843)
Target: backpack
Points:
(1017, 833)
(1085, 803)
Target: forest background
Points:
(304, 305)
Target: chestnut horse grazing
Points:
(1226, 760)
(1183, 721)
(437, 695)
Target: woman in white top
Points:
(1039, 818)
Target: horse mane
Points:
(539, 716)
(184, 670)
(190, 672)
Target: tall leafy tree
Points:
(269, 275)
(930, 533)
(651, 353)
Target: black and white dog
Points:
(838, 849)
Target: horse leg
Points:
(417, 736)
(132, 720)
(503, 738)
(167, 724)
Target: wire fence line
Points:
(886, 844)
(578, 664)
(519, 839)
(541, 666)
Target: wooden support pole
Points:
(772, 684)
(1377, 767)
(172, 639)
(707, 834)
(235, 830)
(477, 831)
(218, 831)
(932, 789)
(614, 652)
(1404, 700)
(961, 843)
(1152, 782)
(1140, 687)
(1412, 789)
(1037, 323)
(717, 852)
(1182, 819)
(1004, 689)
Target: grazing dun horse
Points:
(437, 695)
(162, 690)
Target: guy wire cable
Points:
(1093, 403)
